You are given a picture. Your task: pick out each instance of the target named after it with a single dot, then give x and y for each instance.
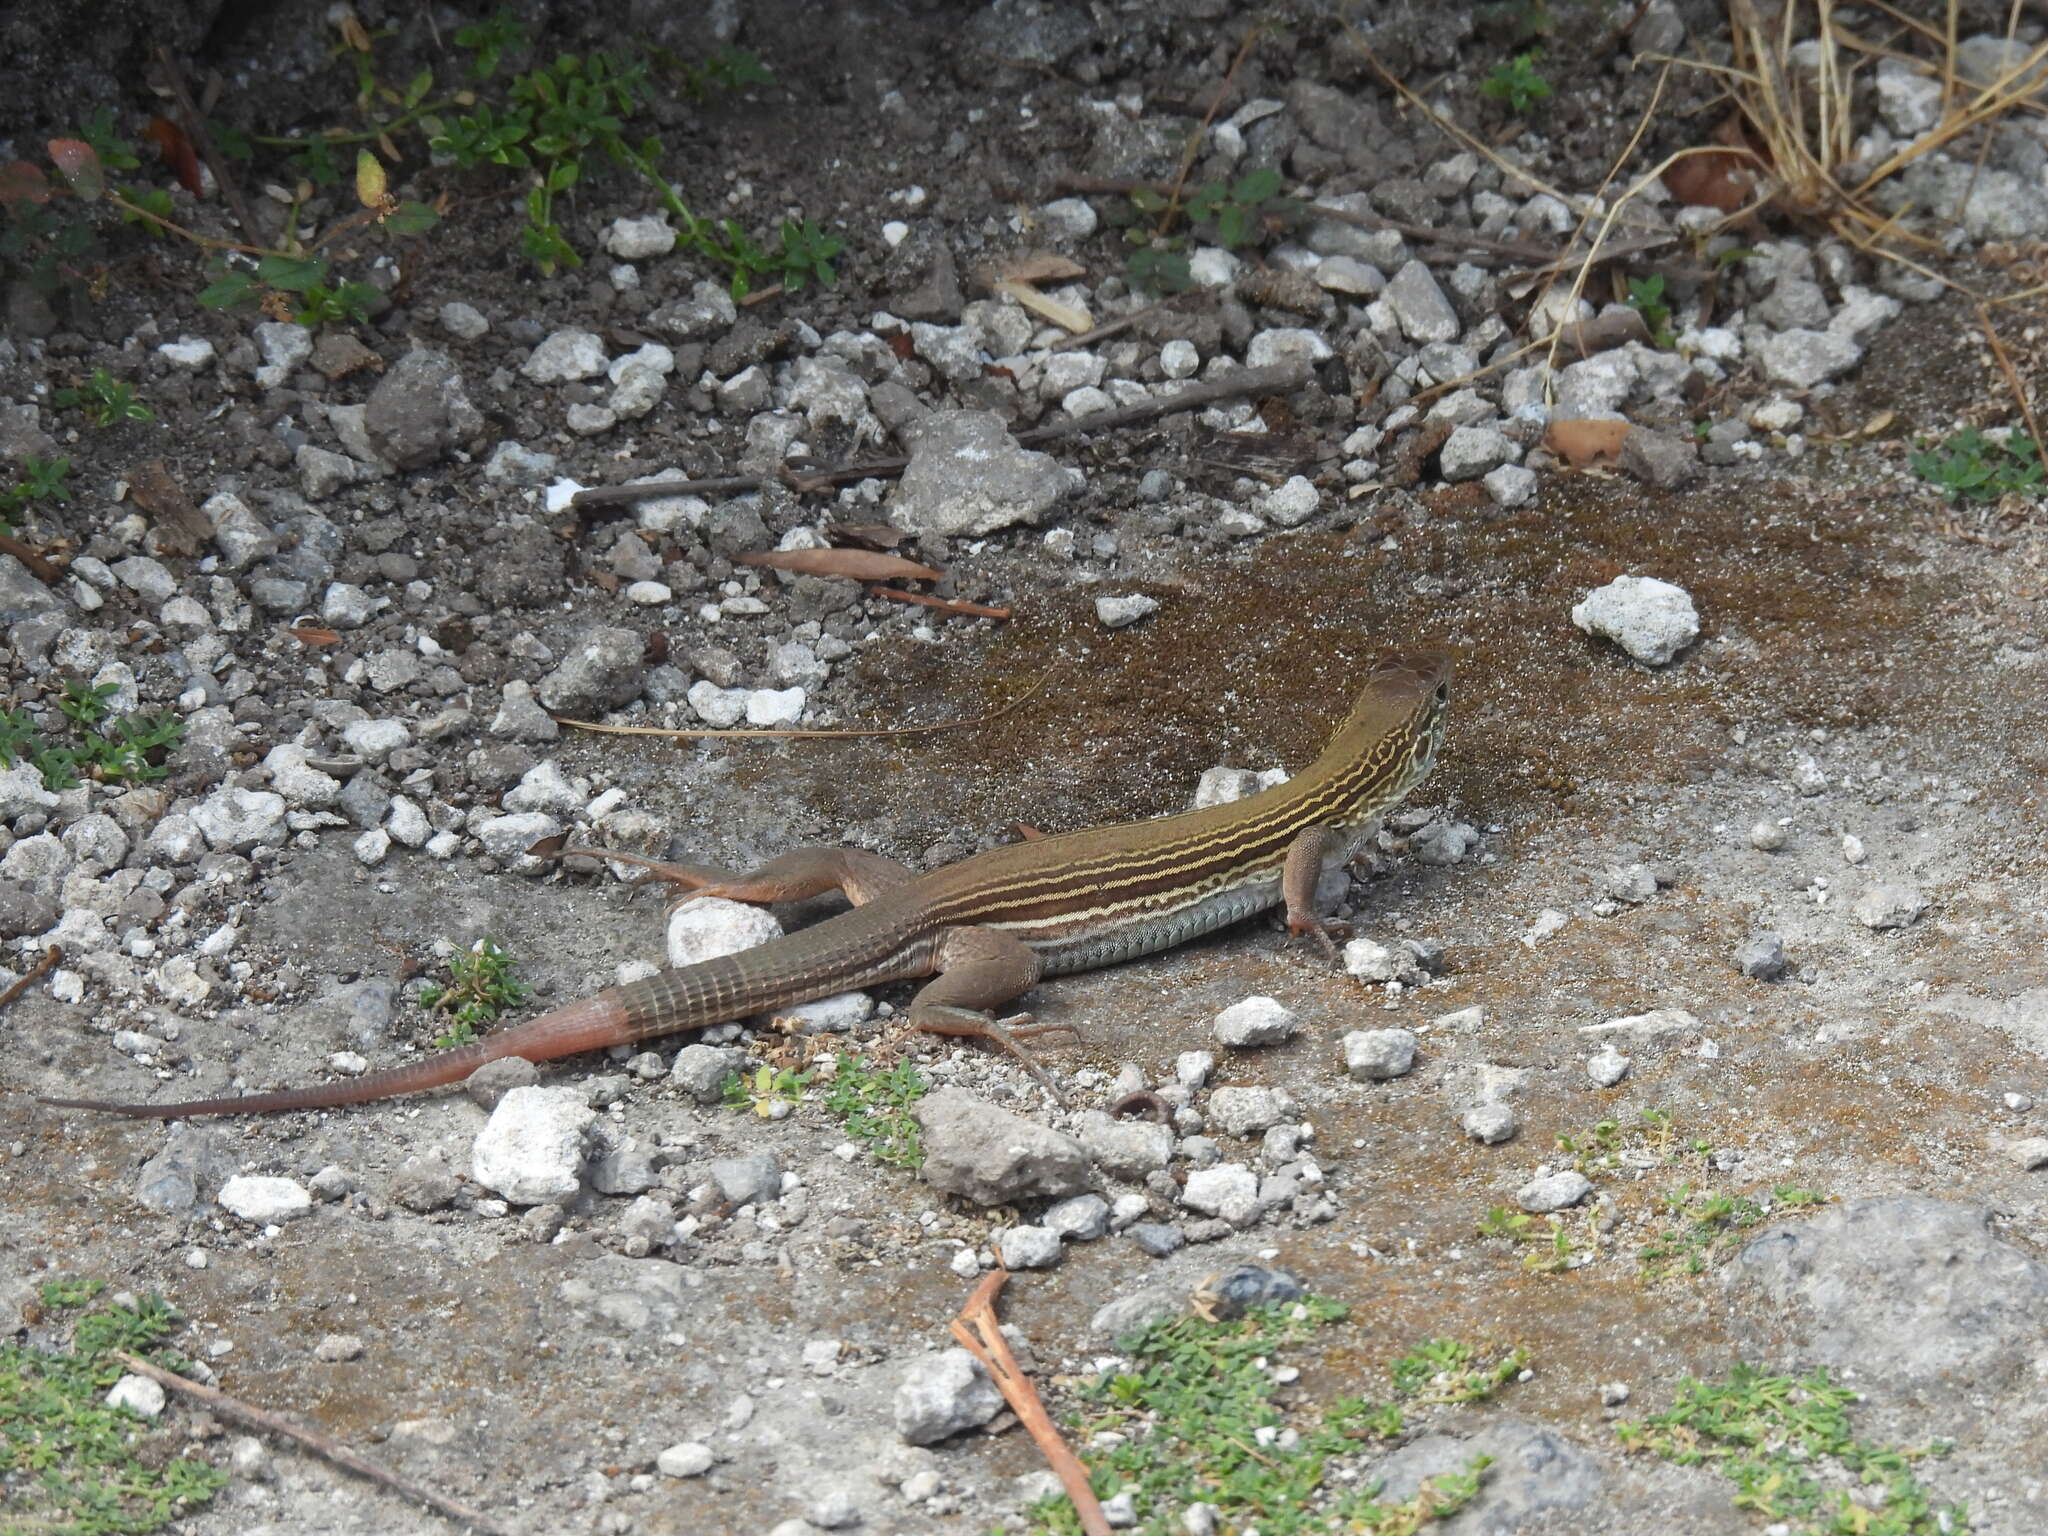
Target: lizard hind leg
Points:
(978, 970)
(791, 876)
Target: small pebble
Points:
(1553, 1192)
(1156, 1237)
(1374, 1055)
(1762, 957)
(1491, 1123)
(1767, 836)
(1608, 1067)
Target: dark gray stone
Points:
(752, 1179)
(1157, 1238)
(1534, 1470)
(1761, 956)
(603, 671)
(419, 411)
(1912, 1291)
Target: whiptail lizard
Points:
(988, 927)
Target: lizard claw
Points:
(1326, 931)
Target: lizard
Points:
(986, 928)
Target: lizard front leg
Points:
(1311, 850)
(978, 970)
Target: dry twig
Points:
(978, 1334)
(41, 968)
(1277, 378)
(2012, 379)
(320, 1445)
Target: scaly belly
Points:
(1144, 934)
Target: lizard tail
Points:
(588, 1025)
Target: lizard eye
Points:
(1443, 693)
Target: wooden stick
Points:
(958, 605)
(1123, 323)
(978, 1334)
(40, 568)
(42, 967)
(1273, 379)
(2012, 380)
(320, 1445)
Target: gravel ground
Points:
(1762, 856)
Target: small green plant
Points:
(480, 988)
(1608, 1147)
(557, 116)
(807, 253)
(132, 749)
(1194, 1419)
(727, 69)
(1516, 82)
(53, 227)
(1787, 1445)
(1646, 298)
(41, 480)
(84, 1467)
(104, 400)
(874, 1106)
(310, 297)
(1236, 214)
(1689, 1230)
(1552, 1247)
(770, 1092)
(1442, 1371)
(1709, 1225)
(1973, 466)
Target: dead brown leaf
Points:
(181, 526)
(1585, 443)
(1040, 267)
(1723, 178)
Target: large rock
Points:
(1906, 1289)
(1534, 1470)
(533, 1147)
(967, 475)
(942, 1394)
(419, 411)
(992, 1157)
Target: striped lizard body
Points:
(988, 927)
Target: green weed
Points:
(770, 1092)
(103, 400)
(1689, 1230)
(1970, 466)
(1709, 1225)
(86, 1468)
(1233, 214)
(874, 1106)
(1194, 1420)
(1516, 82)
(132, 749)
(1787, 1446)
(480, 987)
(41, 480)
(1553, 1248)
(1646, 298)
